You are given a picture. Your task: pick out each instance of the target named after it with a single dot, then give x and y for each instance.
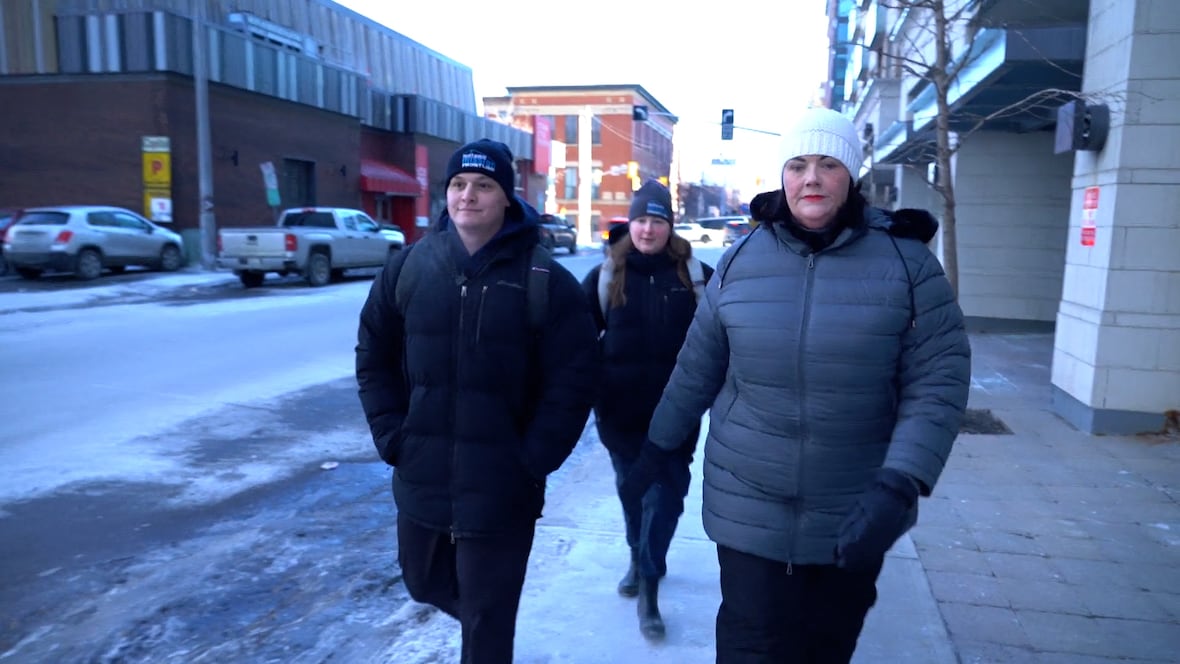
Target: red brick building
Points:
(624, 152)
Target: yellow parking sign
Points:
(157, 169)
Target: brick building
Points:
(624, 151)
(346, 111)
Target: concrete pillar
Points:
(1116, 359)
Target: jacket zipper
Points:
(653, 308)
(808, 281)
(479, 315)
(454, 415)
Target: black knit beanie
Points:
(487, 157)
(653, 200)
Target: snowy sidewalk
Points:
(571, 614)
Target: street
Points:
(190, 477)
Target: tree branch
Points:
(1044, 58)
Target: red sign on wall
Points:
(542, 138)
(422, 173)
(1089, 216)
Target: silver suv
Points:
(86, 239)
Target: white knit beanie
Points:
(825, 132)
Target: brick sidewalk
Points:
(1052, 545)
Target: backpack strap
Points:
(403, 282)
(723, 264)
(537, 287)
(696, 274)
(909, 279)
(606, 274)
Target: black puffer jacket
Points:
(472, 407)
(640, 344)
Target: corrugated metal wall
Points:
(391, 61)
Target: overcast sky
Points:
(763, 58)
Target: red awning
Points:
(385, 178)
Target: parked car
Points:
(395, 235)
(556, 233)
(319, 243)
(86, 239)
(7, 217)
(706, 230)
(736, 229)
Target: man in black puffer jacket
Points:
(472, 405)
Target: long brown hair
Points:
(679, 249)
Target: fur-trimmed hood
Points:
(913, 223)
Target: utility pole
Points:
(585, 177)
(207, 225)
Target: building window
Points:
(571, 182)
(596, 131)
(571, 130)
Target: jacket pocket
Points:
(390, 452)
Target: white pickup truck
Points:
(318, 243)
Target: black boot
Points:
(629, 585)
(650, 622)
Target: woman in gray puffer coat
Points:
(832, 355)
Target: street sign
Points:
(159, 205)
(724, 162)
(157, 177)
(155, 144)
(157, 169)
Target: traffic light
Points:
(639, 113)
(727, 124)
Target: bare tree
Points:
(936, 48)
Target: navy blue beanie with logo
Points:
(652, 200)
(487, 157)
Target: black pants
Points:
(774, 614)
(475, 580)
(651, 521)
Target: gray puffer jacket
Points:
(819, 369)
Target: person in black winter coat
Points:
(470, 403)
(646, 288)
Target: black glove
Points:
(881, 515)
(650, 467)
